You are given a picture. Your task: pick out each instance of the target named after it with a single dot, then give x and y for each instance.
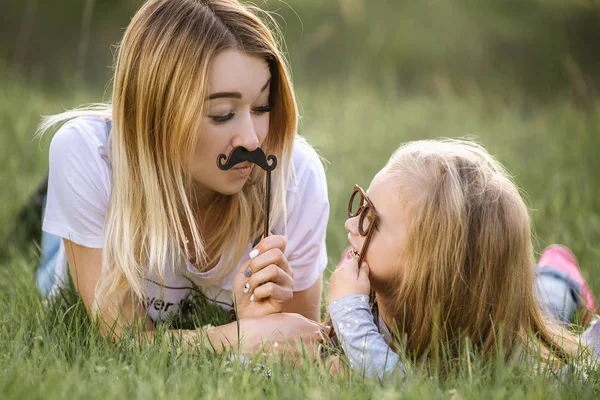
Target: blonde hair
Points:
(468, 270)
(159, 88)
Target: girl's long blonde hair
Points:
(468, 270)
(159, 88)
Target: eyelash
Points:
(219, 119)
(370, 216)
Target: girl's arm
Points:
(591, 337)
(368, 352)
(246, 335)
(365, 347)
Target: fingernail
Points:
(253, 253)
(247, 273)
(328, 327)
(252, 298)
(247, 287)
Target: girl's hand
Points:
(264, 285)
(348, 279)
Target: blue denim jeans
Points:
(557, 294)
(46, 273)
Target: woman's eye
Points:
(222, 118)
(262, 109)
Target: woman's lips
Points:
(243, 169)
(243, 165)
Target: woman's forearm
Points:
(228, 337)
(282, 330)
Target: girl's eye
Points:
(373, 219)
(262, 109)
(222, 118)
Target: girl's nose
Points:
(351, 225)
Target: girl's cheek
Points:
(370, 254)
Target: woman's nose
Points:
(246, 135)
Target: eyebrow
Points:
(234, 95)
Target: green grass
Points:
(53, 352)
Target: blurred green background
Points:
(521, 77)
(541, 47)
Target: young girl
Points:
(446, 243)
(144, 212)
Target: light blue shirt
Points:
(367, 349)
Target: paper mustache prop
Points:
(239, 155)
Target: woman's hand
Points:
(333, 364)
(281, 333)
(348, 279)
(264, 285)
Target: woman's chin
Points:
(227, 192)
(232, 188)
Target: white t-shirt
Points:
(79, 188)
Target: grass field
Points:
(551, 148)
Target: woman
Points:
(141, 206)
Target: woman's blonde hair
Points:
(160, 84)
(468, 271)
